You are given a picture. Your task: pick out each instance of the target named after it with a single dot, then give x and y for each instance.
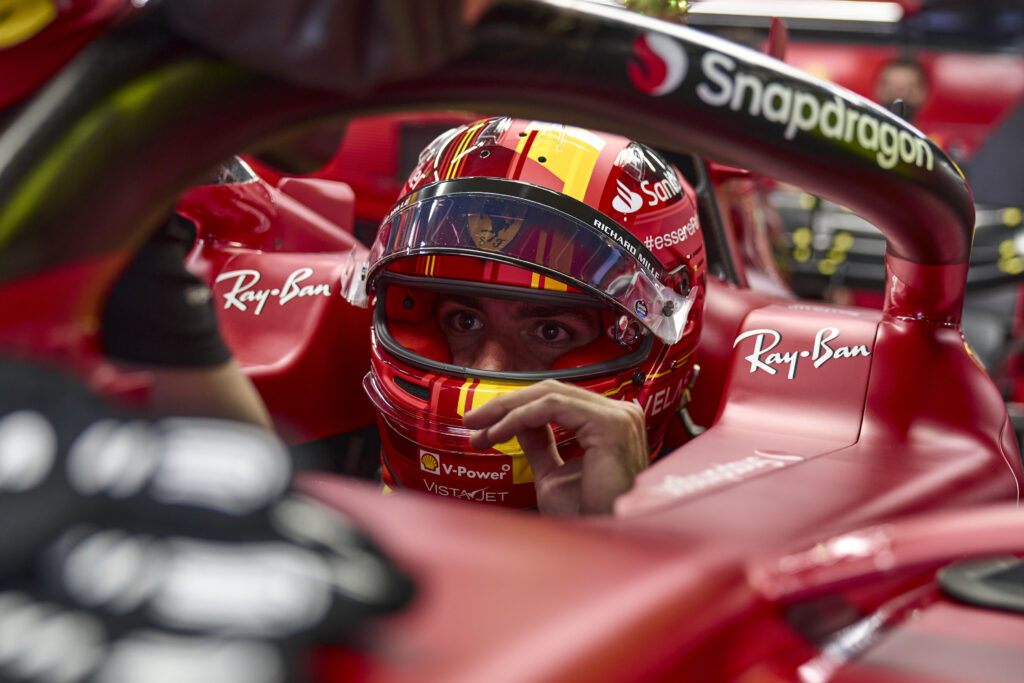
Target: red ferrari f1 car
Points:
(848, 514)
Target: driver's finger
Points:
(493, 410)
(537, 405)
(538, 446)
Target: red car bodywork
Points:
(274, 263)
(850, 452)
(809, 414)
(971, 94)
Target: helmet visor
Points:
(542, 231)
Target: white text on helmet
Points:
(466, 473)
(673, 237)
(622, 242)
(663, 399)
(661, 191)
(480, 495)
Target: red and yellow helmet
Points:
(551, 218)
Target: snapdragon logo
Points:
(659, 64)
(802, 111)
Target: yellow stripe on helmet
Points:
(473, 395)
(569, 152)
(460, 152)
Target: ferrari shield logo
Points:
(493, 233)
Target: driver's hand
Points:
(610, 432)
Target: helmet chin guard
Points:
(523, 251)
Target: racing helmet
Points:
(578, 250)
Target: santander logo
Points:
(659, 66)
(626, 201)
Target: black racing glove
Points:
(174, 546)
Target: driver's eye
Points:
(553, 332)
(465, 321)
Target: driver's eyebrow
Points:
(463, 300)
(524, 312)
(541, 311)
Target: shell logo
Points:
(429, 462)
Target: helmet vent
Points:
(417, 390)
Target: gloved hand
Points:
(168, 550)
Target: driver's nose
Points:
(493, 354)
